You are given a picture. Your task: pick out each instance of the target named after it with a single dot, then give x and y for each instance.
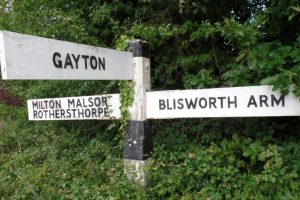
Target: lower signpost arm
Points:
(138, 141)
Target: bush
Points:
(193, 44)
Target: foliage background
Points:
(193, 44)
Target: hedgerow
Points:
(193, 44)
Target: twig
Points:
(28, 185)
(215, 57)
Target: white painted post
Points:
(138, 142)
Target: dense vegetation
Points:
(193, 44)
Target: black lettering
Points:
(40, 114)
(93, 62)
(212, 102)
(104, 100)
(263, 99)
(202, 100)
(101, 63)
(180, 104)
(174, 104)
(39, 104)
(57, 114)
(91, 103)
(97, 101)
(162, 105)
(222, 101)
(58, 103)
(232, 102)
(94, 113)
(106, 113)
(83, 103)
(51, 104)
(76, 59)
(191, 103)
(51, 114)
(74, 112)
(35, 116)
(56, 60)
(62, 113)
(68, 61)
(35, 105)
(277, 101)
(78, 103)
(100, 111)
(80, 113)
(68, 113)
(85, 57)
(168, 106)
(46, 113)
(71, 103)
(87, 113)
(252, 101)
(43, 104)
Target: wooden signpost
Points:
(29, 57)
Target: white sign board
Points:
(30, 57)
(254, 101)
(75, 108)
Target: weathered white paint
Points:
(75, 108)
(30, 57)
(2, 53)
(167, 104)
(141, 77)
(137, 170)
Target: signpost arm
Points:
(138, 141)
